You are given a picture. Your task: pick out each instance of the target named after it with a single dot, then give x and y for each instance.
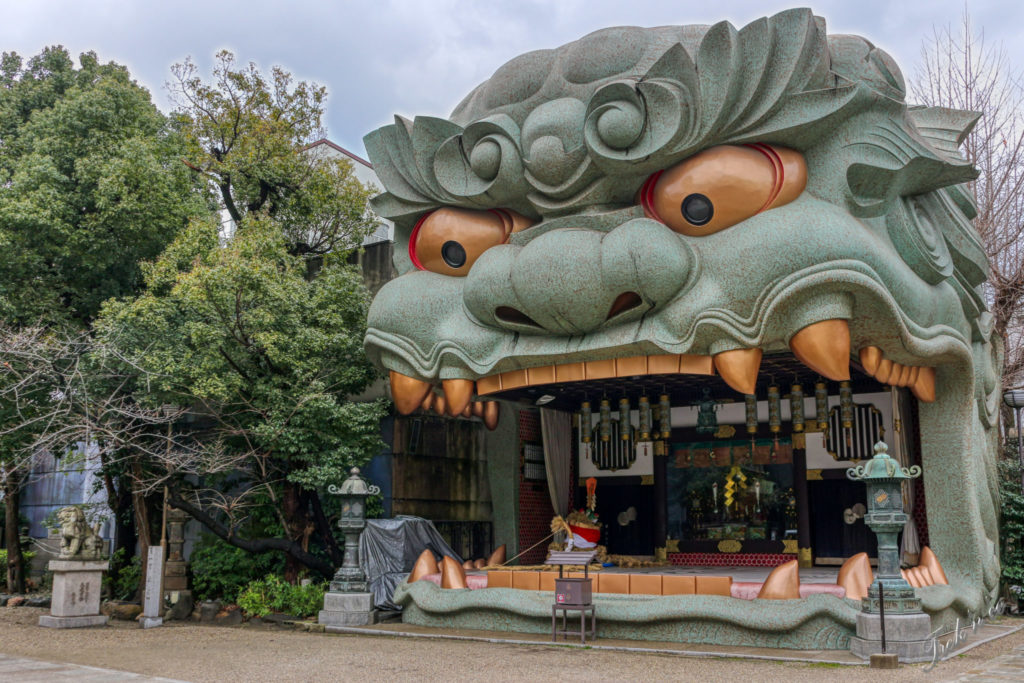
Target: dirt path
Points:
(206, 653)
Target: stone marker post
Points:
(154, 594)
(77, 574)
(348, 602)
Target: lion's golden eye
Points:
(723, 186)
(449, 240)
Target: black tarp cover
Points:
(388, 549)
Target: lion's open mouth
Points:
(823, 348)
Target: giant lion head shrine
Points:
(739, 259)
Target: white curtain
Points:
(556, 432)
(910, 544)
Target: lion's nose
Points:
(572, 281)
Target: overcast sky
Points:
(413, 57)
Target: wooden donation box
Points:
(573, 594)
(575, 590)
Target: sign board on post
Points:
(153, 598)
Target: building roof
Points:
(339, 148)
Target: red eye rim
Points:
(647, 196)
(412, 241)
(777, 165)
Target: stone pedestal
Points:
(906, 635)
(76, 594)
(348, 609)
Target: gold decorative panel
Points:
(730, 546)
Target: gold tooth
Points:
(739, 368)
(869, 357)
(696, 364)
(914, 373)
(542, 375)
(656, 364)
(570, 372)
(407, 392)
(825, 348)
(478, 408)
(628, 367)
(439, 404)
(458, 393)
(884, 370)
(467, 411)
(514, 379)
(491, 410)
(894, 376)
(663, 364)
(924, 386)
(600, 369)
(488, 385)
(428, 402)
(904, 376)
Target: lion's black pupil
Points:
(697, 209)
(453, 254)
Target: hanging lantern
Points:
(821, 406)
(645, 418)
(605, 424)
(796, 407)
(586, 423)
(846, 404)
(665, 416)
(774, 409)
(707, 423)
(625, 426)
(751, 401)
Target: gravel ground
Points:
(267, 653)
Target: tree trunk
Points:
(296, 521)
(323, 528)
(15, 560)
(255, 545)
(141, 524)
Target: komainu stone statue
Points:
(78, 541)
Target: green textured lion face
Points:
(683, 200)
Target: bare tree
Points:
(960, 70)
(75, 397)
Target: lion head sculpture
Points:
(686, 199)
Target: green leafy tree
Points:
(90, 184)
(247, 134)
(266, 357)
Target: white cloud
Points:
(415, 57)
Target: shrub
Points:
(1011, 527)
(274, 594)
(220, 570)
(125, 584)
(27, 554)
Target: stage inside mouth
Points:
(711, 615)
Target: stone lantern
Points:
(906, 626)
(353, 493)
(348, 601)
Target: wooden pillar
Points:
(660, 499)
(803, 512)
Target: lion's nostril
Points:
(624, 302)
(511, 315)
